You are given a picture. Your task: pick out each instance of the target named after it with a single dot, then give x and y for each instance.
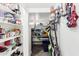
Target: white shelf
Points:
(4, 53)
(14, 50)
(6, 9)
(10, 38)
(8, 23)
(10, 52)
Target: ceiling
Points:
(38, 5)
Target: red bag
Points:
(7, 43)
(73, 18)
(72, 24)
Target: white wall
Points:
(39, 10)
(69, 38)
(26, 38)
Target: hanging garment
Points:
(58, 16)
(72, 19)
(68, 9)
